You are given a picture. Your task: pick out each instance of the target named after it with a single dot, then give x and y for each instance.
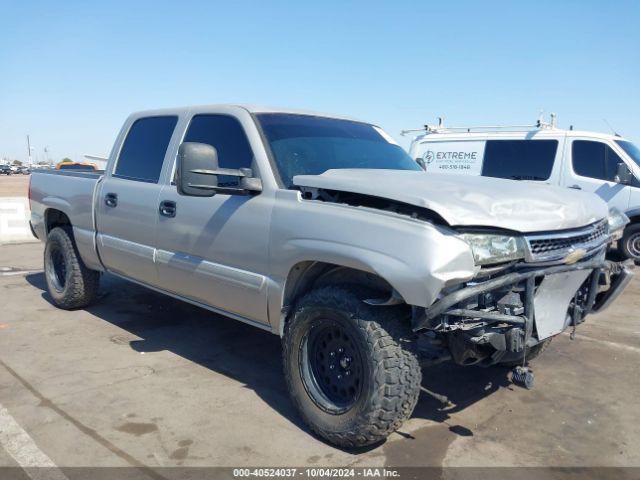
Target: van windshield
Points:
(310, 145)
(631, 150)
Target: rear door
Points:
(591, 165)
(127, 203)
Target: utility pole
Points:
(29, 150)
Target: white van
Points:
(605, 164)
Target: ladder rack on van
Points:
(440, 128)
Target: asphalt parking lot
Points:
(140, 379)
(14, 185)
(143, 380)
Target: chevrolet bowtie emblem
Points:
(575, 256)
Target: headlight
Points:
(489, 248)
(617, 221)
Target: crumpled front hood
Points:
(467, 200)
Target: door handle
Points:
(576, 187)
(111, 200)
(168, 208)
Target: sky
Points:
(71, 72)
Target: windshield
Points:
(631, 150)
(308, 145)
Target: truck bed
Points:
(59, 196)
(70, 173)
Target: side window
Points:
(227, 136)
(519, 159)
(144, 149)
(594, 160)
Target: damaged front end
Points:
(508, 308)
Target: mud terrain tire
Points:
(69, 282)
(386, 376)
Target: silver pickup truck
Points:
(324, 231)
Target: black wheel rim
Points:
(333, 369)
(57, 269)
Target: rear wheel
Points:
(630, 243)
(69, 282)
(350, 368)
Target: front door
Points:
(214, 250)
(127, 205)
(592, 166)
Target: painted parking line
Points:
(90, 432)
(14, 220)
(17, 443)
(8, 272)
(616, 345)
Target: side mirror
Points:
(198, 171)
(624, 175)
(423, 165)
(194, 157)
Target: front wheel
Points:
(69, 282)
(350, 368)
(630, 242)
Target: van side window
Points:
(519, 159)
(143, 151)
(594, 160)
(227, 136)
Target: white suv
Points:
(607, 165)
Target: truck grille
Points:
(556, 246)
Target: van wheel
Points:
(351, 369)
(69, 282)
(630, 243)
(532, 353)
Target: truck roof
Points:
(251, 108)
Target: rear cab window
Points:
(76, 166)
(144, 148)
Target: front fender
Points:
(418, 278)
(417, 258)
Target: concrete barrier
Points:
(14, 220)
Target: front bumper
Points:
(445, 304)
(484, 322)
(621, 276)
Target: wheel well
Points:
(634, 219)
(55, 218)
(305, 276)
